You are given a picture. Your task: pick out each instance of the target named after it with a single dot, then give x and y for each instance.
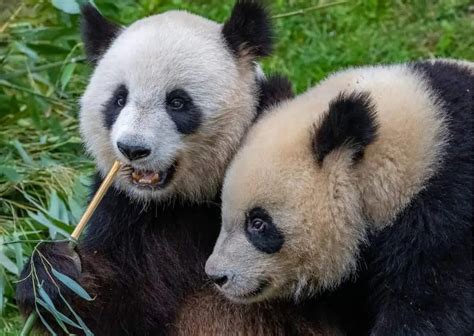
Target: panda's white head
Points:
(171, 96)
(315, 174)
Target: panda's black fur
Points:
(417, 267)
(412, 277)
(97, 32)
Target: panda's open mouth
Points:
(149, 179)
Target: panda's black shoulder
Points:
(451, 82)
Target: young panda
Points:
(170, 96)
(379, 156)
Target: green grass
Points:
(43, 171)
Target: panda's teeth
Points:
(146, 178)
(136, 176)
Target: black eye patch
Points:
(114, 105)
(182, 110)
(261, 232)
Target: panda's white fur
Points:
(325, 212)
(154, 55)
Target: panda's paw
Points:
(43, 272)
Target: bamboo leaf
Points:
(84, 327)
(51, 331)
(2, 290)
(72, 285)
(41, 219)
(53, 210)
(24, 155)
(48, 304)
(47, 300)
(8, 264)
(67, 75)
(59, 315)
(67, 6)
(10, 173)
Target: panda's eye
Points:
(176, 104)
(121, 101)
(262, 232)
(257, 225)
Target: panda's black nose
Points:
(133, 152)
(219, 280)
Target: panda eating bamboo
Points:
(170, 96)
(366, 178)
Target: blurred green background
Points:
(43, 170)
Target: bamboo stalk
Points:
(96, 200)
(79, 229)
(308, 9)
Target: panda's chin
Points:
(250, 296)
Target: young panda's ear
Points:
(273, 90)
(97, 32)
(350, 121)
(248, 31)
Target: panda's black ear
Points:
(273, 90)
(97, 32)
(350, 121)
(248, 31)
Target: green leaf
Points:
(67, 6)
(51, 309)
(10, 173)
(2, 290)
(77, 317)
(67, 75)
(8, 264)
(72, 285)
(49, 306)
(18, 249)
(43, 220)
(57, 210)
(51, 331)
(48, 302)
(76, 209)
(26, 50)
(53, 210)
(58, 314)
(24, 155)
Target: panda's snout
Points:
(215, 273)
(133, 152)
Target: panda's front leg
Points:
(89, 270)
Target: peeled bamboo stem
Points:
(96, 200)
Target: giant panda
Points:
(365, 179)
(170, 97)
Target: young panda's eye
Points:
(262, 232)
(176, 103)
(257, 225)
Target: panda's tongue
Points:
(145, 177)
